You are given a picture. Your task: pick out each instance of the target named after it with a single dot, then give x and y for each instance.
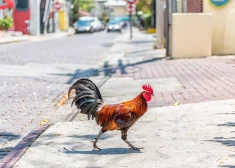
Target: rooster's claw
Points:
(95, 146)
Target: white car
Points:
(95, 22)
(83, 26)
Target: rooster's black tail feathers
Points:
(88, 98)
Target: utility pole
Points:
(153, 18)
(35, 17)
(53, 19)
(46, 16)
(160, 24)
(1, 11)
(70, 13)
(131, 10)
(78, 7)
(167, 28)
(131, 22)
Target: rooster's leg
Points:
(96, 139)
(124, 138)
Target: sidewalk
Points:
(192, 135)
(197, 132)
(12, 37)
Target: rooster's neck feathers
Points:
(139, 103)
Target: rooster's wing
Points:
(124, 118)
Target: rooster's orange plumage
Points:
(111, 116)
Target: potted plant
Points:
(6, 23)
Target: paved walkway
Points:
(185, 135)
(201, 79)
(193, 135)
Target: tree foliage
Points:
(144, 5)
(75, 10)
(6, 23)
(84, 5)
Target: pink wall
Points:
(19, 20)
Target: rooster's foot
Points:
(95, 146)
(135, 148)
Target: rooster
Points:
(110, 116)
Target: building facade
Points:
(223, 31)
(116, 8)
(223, 22)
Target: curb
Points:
(52, 37)
(40, 38)
(14, 41)
(20, 149)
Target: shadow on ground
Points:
(85, 141)
(225, 141)
(106, 151)
(228, 124)
(107, 70)
(5, 137)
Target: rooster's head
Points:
(148, 92)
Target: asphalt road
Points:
(78, 49)
(34, 74)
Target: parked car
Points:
(124, 24)
(95, 22)
(83, 26)
(114, 25)
(103, 25)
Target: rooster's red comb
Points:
(148, 88)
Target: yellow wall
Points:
(191, 35)
(63, 20)
(223, 32)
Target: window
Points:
(22, 4)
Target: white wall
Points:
(223, 37)
(191, 35)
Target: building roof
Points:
(83, 13)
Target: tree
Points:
(105, 17)
(75, 10)
(85, 5)
(144, 5)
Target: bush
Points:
(6, 23)
(147, 21)
(105, 17)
